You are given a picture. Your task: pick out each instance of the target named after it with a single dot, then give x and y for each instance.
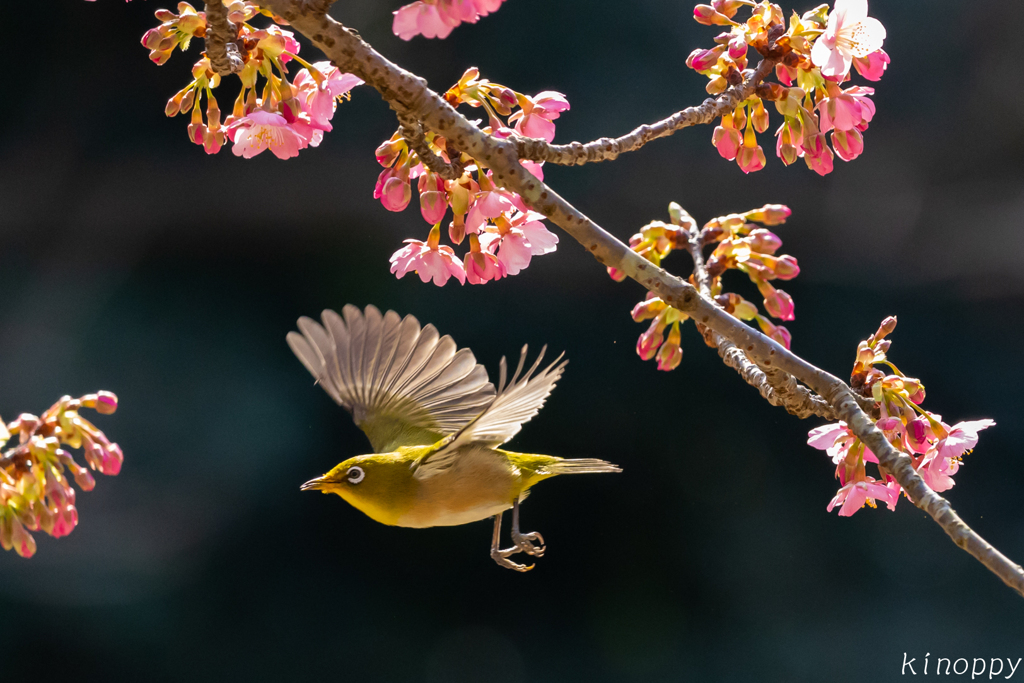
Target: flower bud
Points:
(396, 194)
(616, 274)
(709, 16)
(887, 424)
(917, 434)
(669, 356)
(648, 343)
(23, 542)
(727, 141)
(886, 328)
(433, 206)
(648, 309)
(786, 268)
(763, 241)
(680, 217)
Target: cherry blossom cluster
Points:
(35, 493)
(814, 54)
(740, 244)
(437, 18)
(936, 448)
(272, 111)
(503, 234)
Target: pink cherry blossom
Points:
(527, 237)
(821, 163)
(261, 130)
(537, 114)
(431, 263)
(854, 495)
(847, 109)
(437, 18)
(321, 101)
(488, 204)
(873, 66)
(962, 437)
(482, 267)
(850, 34)
(849, 144)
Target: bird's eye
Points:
(355, 475)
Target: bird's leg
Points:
(501, 556)
(525, 541)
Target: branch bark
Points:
(220, 38)
(412, 131)
(409, 96)
(606, 149)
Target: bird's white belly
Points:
(452, 517)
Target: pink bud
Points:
(764, 241)
(648, 309)
(779, 305)
(702, 60)
(648, 343)
(433, 205)
(873, 66)
(113, 460)
(849, 144)
(727, 141)
(709, 16)
(887, 424)
(917, 434)
(669, 357)
(774, 214)
(616, 274)
(750, 159)
(23, 542)
(786, 268)
(396, 194)
(821, 164)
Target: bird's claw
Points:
(525, 542)
(501, 557)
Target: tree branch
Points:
(777, 387)
(606, 149)
(412, 131)
(409, 95)
(220, 38)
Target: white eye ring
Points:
(355, 475)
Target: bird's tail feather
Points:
(582, 466)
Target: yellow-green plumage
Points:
(483, 483)
(437, 421)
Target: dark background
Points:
(134, 262)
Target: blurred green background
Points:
(135, 263)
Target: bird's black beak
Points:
(313, 484)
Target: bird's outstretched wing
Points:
(405, 386)
(513, 406)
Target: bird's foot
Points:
(501, 557)
(525, 542)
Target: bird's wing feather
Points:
(404, 385)
(513, 406)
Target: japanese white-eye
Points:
(436, 422)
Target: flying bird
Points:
(435, 422)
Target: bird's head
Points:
(380, 485)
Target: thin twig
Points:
(409, 95)
(412, 131)
(606, 149)
(777, 387)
